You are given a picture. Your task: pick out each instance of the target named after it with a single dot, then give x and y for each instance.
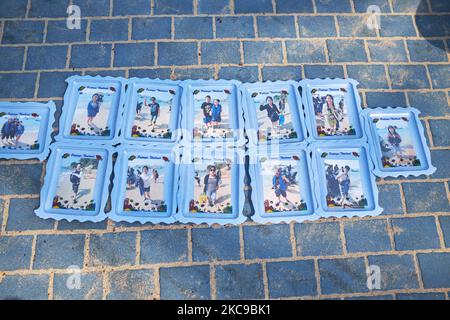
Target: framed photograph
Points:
(332, 108)
(273, 112)
(398, 144)
(26, 129)
(145, 187)
(153, 111)
(282, 189)
(92, 109)
(211, 112)
(344, 184)
(76, 184)
(213, 190)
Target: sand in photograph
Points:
(223, 195)
(220, 130)
(271, 201)
(134, 201)
(142, 124)
(266, 130)
(343, 126)
(29, 139)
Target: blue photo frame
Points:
(145, 122)
(397, 142)
(279, 101)
(194, 203)
(344, 182)
(84, 120)
(290, 171)
(76, 183)
(129, 187)
(224, 127)
(332, 108)
(26, 129)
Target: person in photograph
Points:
(13, 132)
(394, 140)
(139, 109)
(211, 185)
(20, 129)
(332, 114)
(344, 184)
(144, 183)
(155, 175)
(93, 108)
(154, 110)
(131, 178)
(216, 113)
(318, 104)
(6, 129)
(197, 178)
(207, 111)
(332, 184)
(280, 184)
(272, 111)
(75, 179)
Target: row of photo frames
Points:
(26, 129)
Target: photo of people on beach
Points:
(397, 149)
(152, 116)
(274, 115)
(344, 186)
(281, 186)
(212, 187)
(211, 118)
(145, 185)
(331, 112)
(20, 131)
(76, 182)
(93, 111)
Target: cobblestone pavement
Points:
(250, 41)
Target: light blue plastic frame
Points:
(100, 194)
(188, 111)
(186, 186)
(410, 115)
(135, 84)
(118, 213)
(70, 103)
(295, 104)
(47, 113)
(322, 151)
(294, 152)
(352, 100)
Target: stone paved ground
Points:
(250, 41)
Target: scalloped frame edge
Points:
(372, 148)
(47, 136)
(102, 215)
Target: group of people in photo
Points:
(338, 183)
(330, 113)
(142, 180)
(11, 132)
(154, 110)
(275, 114)
(282, 179)
(212, 113)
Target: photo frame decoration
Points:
(282, 186)
(76, 183)
(153, 112)
(273, 112)
(332, 108)
(93, 109)
(26, 129)
(211, 113)
(344, 182)
(397, 142)
(213, 186)
(145, 185)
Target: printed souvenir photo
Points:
(152, 116)
(76, 182)
(397, 149)
(93, 111)
(344, 186)
(331, 112)
(281, 186)
(212, 187)
(20, 131)
(274, 115)
(212, 118)
(145, 185)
